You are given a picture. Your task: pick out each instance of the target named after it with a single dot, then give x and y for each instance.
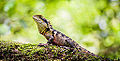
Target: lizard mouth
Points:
(40, 18)
(37, 19)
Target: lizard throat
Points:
(45, 30)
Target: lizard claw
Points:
(65, 47)
(40, 44)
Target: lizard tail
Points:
(83, 50)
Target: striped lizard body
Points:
(55, 37)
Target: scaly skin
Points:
(55, 37)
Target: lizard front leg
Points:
(50, 39)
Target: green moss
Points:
(18, 51)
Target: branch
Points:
(18, 51)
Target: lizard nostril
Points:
(33, 16)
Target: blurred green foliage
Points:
(93, 24)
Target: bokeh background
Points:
(94, 24)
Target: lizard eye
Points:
(43, 19)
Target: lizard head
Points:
(43, 24)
